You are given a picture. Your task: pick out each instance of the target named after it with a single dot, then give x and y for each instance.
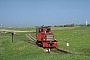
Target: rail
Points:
(56, 50)
(32, 39)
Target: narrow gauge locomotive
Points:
(45, 37)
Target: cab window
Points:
(48, 30)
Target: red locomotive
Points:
(45, 37)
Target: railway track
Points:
(56, 50)
(32, 39)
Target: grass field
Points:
(78, 38)
(21, 49)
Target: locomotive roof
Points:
(44, 27)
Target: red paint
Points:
(45, 37)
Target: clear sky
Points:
(18, 13)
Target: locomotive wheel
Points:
(39, 44)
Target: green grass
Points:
(21, 49)
(78, 38)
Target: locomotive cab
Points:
(45, 37)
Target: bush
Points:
(88, 25)
(69, 25)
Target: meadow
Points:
(21, 49)
(78, 39)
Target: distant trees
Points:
(72, 25)
(66, 25)
(88, 25)
(69, 25)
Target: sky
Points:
(22, 13)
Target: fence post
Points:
(12, 36)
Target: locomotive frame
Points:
(45, 37)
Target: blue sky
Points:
(19, 13)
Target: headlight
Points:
(43, 39)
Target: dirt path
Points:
(4, 30)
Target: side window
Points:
(40, 30)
